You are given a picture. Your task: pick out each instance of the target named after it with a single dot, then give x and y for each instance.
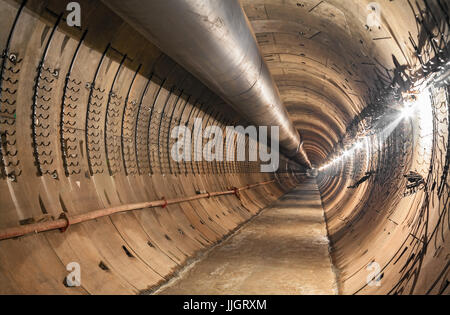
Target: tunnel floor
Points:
(284, 250)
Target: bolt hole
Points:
(103, 266)
(127, 252)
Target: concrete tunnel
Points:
(91, 93)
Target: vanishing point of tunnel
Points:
(224, 147)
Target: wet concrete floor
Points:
(284, 250)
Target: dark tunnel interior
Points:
(87, 113)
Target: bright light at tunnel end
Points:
(416, 105)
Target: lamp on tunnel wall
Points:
(416, 102)
(418, 107)
(410, 105)
(407, 112)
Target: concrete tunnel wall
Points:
(95, 134)
(144, 96)
(406, 235)
(337, 76)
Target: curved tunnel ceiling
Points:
(323, 47)
(103, 100)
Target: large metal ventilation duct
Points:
(213, 40)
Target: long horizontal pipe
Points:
(67, 220)
(213, 40)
